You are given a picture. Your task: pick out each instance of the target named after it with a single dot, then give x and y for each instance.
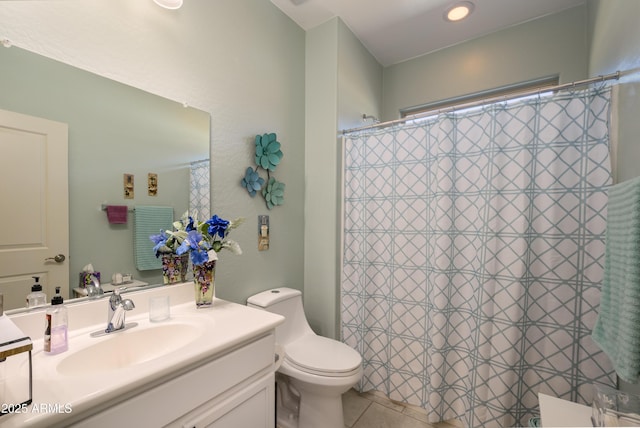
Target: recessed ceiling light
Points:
(169, 4)
(458, 11)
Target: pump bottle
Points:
(37, 297)
(56, 326)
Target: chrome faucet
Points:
(117, 310)
(94, 290)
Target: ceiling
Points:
(398, 30)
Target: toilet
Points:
(314, 371)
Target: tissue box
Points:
(85, 278)
(614, 408)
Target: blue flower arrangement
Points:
(267, 156)
(201, 240)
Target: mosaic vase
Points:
(174, 268)
(203, 279)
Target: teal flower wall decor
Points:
(273, 193)
(252, 181)
(268, 153)
(268, 157)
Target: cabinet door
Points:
(250, 407)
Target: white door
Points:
(34, 207)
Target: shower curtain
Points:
(473, 250)
(199, 198)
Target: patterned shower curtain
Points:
(199, 191)
(473, 254)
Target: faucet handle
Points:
(94, 290)
(115, 298)
(117, 291)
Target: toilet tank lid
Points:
(271, 297)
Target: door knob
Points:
(58, 259)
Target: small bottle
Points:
(55, 334)
(37, 297)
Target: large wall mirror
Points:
(113, 130)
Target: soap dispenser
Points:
(56, 331)
(37, 297)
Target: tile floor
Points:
(374, 410)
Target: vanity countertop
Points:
(65, 392)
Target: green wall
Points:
(615, 46)
(552, 45)
(243, 62)
(321, 213)
(253, 71)
(343, 81)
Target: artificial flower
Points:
(268, 153)
(233, 246)
(217, 226)
(252, 181)
(273, 193)
(191, 242)
(160, 242)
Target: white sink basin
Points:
(128, 348)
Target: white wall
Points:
(240, 60)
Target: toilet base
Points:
(287, 420)
(320, 405)
(318, 411)
(303, 405)
(287, 403)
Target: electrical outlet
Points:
(263, 232)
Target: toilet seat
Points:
(322, 356)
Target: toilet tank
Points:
(288, 303)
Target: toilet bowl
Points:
(315, 370)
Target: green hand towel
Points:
(617, 329)
(149, 220)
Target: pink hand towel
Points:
(117, 214)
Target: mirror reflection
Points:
(126, 147)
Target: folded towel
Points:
(117, 214)
(149, 220)
(617, 329)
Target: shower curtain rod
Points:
(407, 118)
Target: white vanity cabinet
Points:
(211, 367)
(232, 390)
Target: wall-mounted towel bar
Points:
(103, 207)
